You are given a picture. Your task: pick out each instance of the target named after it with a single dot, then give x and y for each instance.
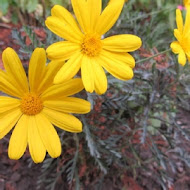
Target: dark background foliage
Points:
(137, 134)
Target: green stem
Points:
(146, 59)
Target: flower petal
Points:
(87, 74)
(87, 13)
(19, 139)
(62, 13)
(70, 69)
(123, 57)
(177, 35)
(64, 26)
(179, 20)
(64, 121)
(7, 85)
(67, 88)
(48, 135)
(82, 13)
(69, 105)
(187, 21)
(14, 69)
(100, 79)
(176, 47)
(188, 56)
(109, 16)
(62, 50)
(36, 146)
(95, 8)
(118, 69)
(51, 70)
(122, 43)
(182, 58)
(37, 68)
(8, 121)
(7, 104)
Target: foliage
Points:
(132, 130)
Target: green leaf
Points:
(31, 6)
(4, 5)
(60, 2)
(155, 122)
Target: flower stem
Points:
(146, 59)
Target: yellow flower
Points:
(186, 3)
(85, 49)
(35, 104)
(182, 34)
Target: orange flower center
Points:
(91, 45)
(31, 104)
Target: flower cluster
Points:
(37, 103)
(43, 99)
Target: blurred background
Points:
(137, 135)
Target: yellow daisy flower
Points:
(83, 47)
(182, 34)
(35, 104)
(186, 3)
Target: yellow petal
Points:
(48, 135)
(7, 85)
(62, 50)
(177, 35)
(176, 47)
(182, 58)
(67, 18)
(185, 2)
(179, 20)
(14, 69)
(37, 68)
(8, 121)
(118, 69)
(19, 139)
(95, 8)
(87, 74)
(69, 105)
(67, 88)
(188, 56)
(82, 14)
(70, 69)
(187, 22)
(36, 146)
(51, 70)
(109, 16)
(100, 79)
(123, 57)
(61, 27)
(122, 43)
(64, 121)
(7, 104)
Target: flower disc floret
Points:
(31, 104)
(91, 45)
